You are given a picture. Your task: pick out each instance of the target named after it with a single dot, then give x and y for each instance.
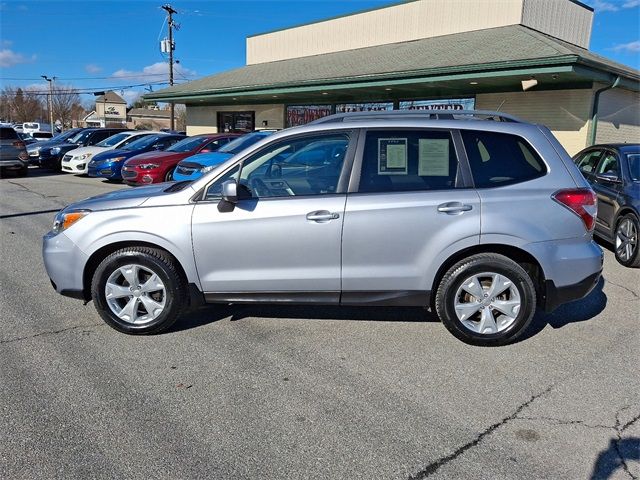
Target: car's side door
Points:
(607, 183)
(410, 205)
(281, 240)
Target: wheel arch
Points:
(518, 255)
(100, 254)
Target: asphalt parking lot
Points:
(298, 392)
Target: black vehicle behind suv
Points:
(50, 157)
(614, 174)
(13, 154)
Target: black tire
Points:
(169, 176)
(634, 259)
(477, 264)
(158, 262)
(23, 172)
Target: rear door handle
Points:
(454, 208)
(322, 216)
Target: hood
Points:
(48, 144)
(126, 198)
(91, 150)
(109, 154)
(158, 156)
(208, 159)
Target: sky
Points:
(99, 45)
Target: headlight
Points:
(147, 166)
(207, 169)
(84, 156)
(64, 219)
(55, 150)
(117, 159)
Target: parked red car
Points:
(157, 167)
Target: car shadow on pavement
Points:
(616, 457)
(573, 312)
(212, 313)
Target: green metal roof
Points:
(495, 49)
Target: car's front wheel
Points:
(486, 300)
(169, 176)
(627, 249)
(139, 290)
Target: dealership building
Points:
(529, 58)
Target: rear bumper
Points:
(556, 296)
(14, 163)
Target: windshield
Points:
(31, 125)
(634, 166)
(113, 140)
(79, 137)
(188, 144)
(243, 142)
(142, 143)
(64, 136)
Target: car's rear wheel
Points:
(139, 290)
(626, 245)
(486, 300)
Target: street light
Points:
(50, 80)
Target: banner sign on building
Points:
(364, 107)
(442, 104)
(300, 115)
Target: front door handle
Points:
(322, 216)
(454, 208)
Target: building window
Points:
(364, 107)
(441, 104)
(236, 122)
(303, 114)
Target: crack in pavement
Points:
(433, 467)
(559, 421)
(27, 189)
(619, 428)
(51, 332)
(624, 288)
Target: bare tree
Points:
(65, 102)
(181, 117)
(22, 105)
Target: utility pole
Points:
(170, 11)
(50, 80)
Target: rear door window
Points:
(7, 133)
(587, 161)
(408, 160)
(498, 159)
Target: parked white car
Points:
(30, 127)
(76, 161)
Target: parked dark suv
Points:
(50, 157)
(13, 154)
(614, 173)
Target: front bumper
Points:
(134, 176)
(104, 170)
(64, 263)
(74, 166)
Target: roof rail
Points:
(418, 114)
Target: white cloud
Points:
(130, 95)
(631, 47)
(92, 68)
(614, 5)
(157, 72)
(9, 58)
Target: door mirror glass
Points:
(230, 191)
(608, 177)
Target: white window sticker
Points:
(392, 156)
(433, 157)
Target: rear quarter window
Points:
(498, 159)
(7, 133)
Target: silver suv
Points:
(476, 215)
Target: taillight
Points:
(581, 201)
(18, 144)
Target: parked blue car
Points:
(197, 165)
(109, 164)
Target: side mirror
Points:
(230, 191)
(608, 177)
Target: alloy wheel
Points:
(626, 240)
(487, 303)
(135, 294)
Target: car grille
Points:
(105, 171)
(128, 174)
(67, 158)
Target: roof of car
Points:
(623, 147)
